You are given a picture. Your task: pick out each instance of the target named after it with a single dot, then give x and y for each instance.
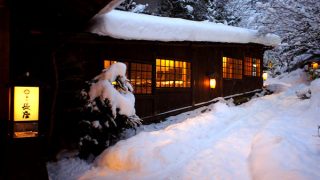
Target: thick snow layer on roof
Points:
(133, 26)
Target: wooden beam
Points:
(79, 12)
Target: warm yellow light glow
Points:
(114, 82)
(265, 76)
(171, 63)
(108, 63)
(25, 134)
(213, 83)
(224, 59)
(315, 65)
(26, 103)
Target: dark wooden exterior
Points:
(83, 55)
(29, 35)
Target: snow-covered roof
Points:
(133, 26)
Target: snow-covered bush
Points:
(313, 73)
(108, 110)
(131, 5)
(304, 94)
(198, 10)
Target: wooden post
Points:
(4, 77)
(4, 63)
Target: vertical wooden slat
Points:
(4, 79)
(4, 61)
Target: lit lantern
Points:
(24, 109)
(265, 76)
(213, 83)
(315, 65)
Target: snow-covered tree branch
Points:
(296, 21)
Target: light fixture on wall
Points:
(265, 76)
(212, 80)
(213, 83)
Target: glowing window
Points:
(141, 78)
(171, 73)
(108, 63)
(252, 67)
(232, 68)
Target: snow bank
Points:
(272, 137)
(315, 96)
(133, 26)
(67, 169)
(284, 81)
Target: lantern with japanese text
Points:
(24, 111)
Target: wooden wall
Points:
(235, 86)
(4, 80)
(206, 61)
(81, 58)
(4, 61)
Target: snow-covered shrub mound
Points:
(108, 110)
(120, 98)
(315, 90)
(304, 94)
(284, 81)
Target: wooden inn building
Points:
(170, 61)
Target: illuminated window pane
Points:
(252, 67)
(258, 67)
(231, 68)
(141, 78)
(171, 73)
(108, 63)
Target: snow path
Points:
(272, 137)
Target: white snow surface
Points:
(104, 89)
(269, 137)
(134, 26)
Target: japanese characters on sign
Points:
(26, 103)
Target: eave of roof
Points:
(132, 26)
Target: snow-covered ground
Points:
(271, 137)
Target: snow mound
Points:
(271, 158)
(76, 168)
(285, 81)
(315, 94)
(133, 26)
(104, 89)
(271, 137)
